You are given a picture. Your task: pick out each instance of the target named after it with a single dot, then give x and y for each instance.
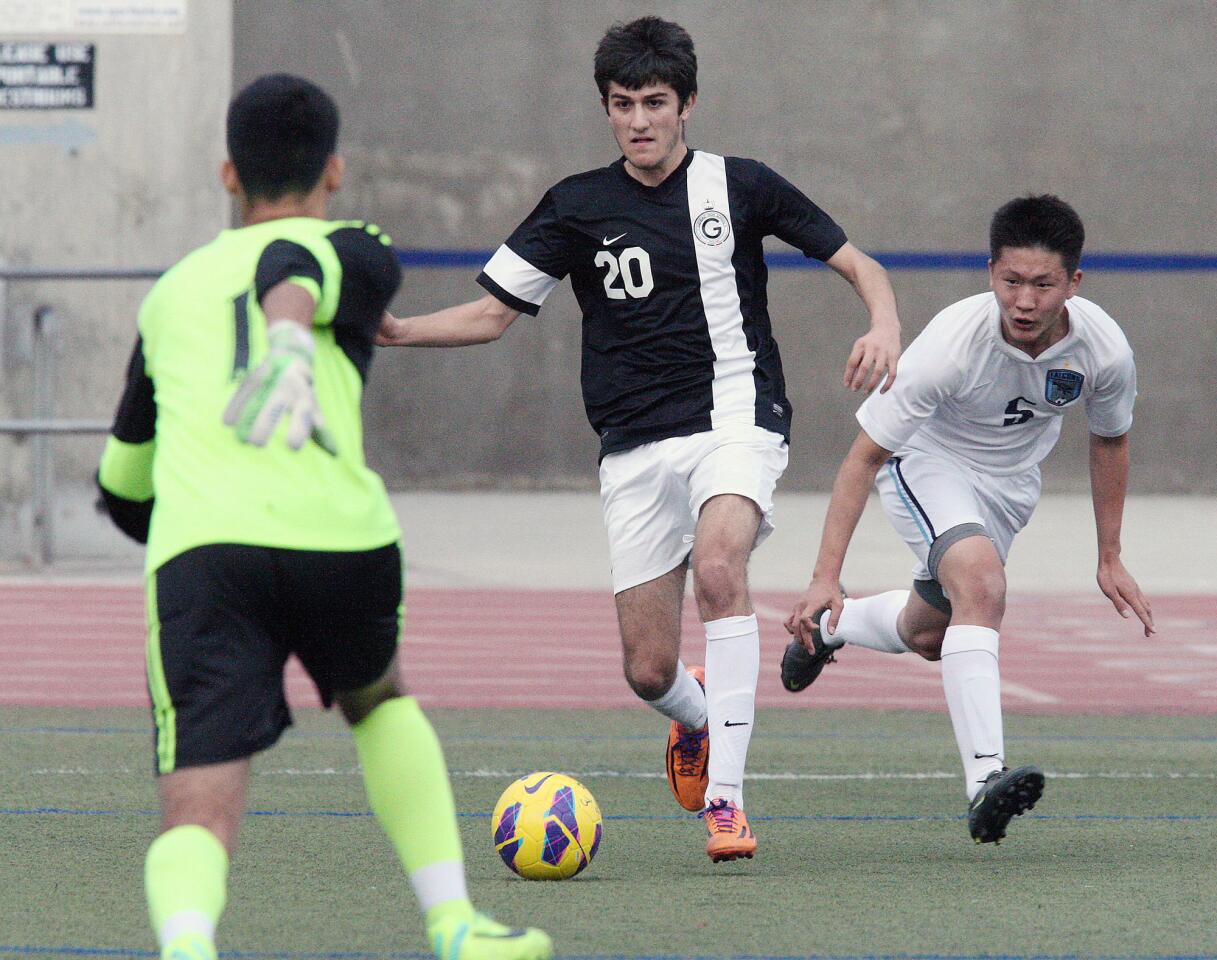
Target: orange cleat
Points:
(730, 836)
(689, 758)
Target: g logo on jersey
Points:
(1063, 386)
(712, 228)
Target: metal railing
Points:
(42, 427)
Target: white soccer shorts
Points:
(652, 494)
(925, 496)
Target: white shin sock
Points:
(733, 661)
(685, 702)
(972, 685)
(870, 622)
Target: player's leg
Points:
(726, 533)
(215, 675)
(731, 479)
(972, 573)
(875, 622)
(648, 616)
(898, 621)
(646, 517)
(347, 638)
(923, 621)
(406, 778)
(186, 868)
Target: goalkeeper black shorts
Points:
(222, 621)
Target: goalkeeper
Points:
(237, 456)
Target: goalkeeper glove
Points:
(281, 384)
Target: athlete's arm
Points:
(875, 353)
(479, 321)
(282, 385)
(1108, 484)
(849, 493)
(289, 301)
(124, 475)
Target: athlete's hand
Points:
(392, 330)
(281, 384)
(822, 592)
(873, 357)
(1121, 589)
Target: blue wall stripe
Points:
(446, 259)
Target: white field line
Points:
(488, 774)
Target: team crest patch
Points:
(712, 228)
(1063, 386)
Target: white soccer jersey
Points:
(962, 391)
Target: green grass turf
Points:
(1122, 864)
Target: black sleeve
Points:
(371, 274)
(135, 419)
(282, 260)
(786, 213)
(132, 517)
(543, 239)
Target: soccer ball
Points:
(546, 826)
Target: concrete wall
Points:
(134, 186)
(910, 122)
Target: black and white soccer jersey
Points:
(671, 281)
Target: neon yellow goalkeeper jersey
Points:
(173, 473)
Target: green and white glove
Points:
(281, 384)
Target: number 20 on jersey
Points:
(629, 273)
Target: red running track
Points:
(81, 645)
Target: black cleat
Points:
(1005, 794)
(800, 668)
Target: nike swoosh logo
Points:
(537, 786)
(740, 723)
(985, 756)
(509, 935)
(607, 241)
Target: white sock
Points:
(869, 622)
(186, 921)
(685, 701)
(973, 687)
(733, 661)
(438, 883)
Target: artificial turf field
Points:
(863, 847)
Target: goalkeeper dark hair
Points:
(645, 51)
(1041, 221)
(281, 131)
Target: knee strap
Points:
(947, 539)
(931, 592)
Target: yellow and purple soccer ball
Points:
(547, 826)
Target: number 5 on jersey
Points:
(629, 273)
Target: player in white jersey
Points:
(954, 450)
(683, 382)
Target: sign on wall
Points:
(46, 76)
(93, 16)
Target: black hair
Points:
(1041, 221)
(281, 131)
(646, 51)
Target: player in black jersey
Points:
(261, 543)
(682, 380)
